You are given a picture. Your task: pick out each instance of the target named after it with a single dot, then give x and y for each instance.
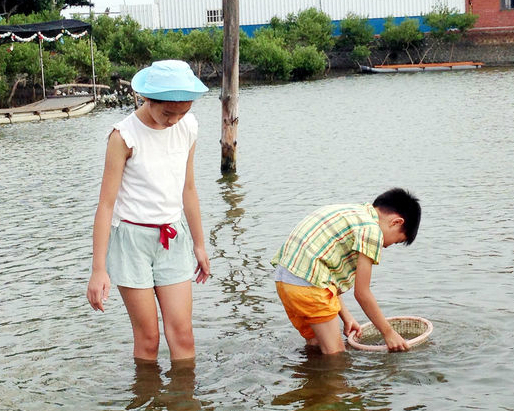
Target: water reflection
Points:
(231, 193)
(322, 384)
(153, 393)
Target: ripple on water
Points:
(301, 145)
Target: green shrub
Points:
(309, 28)
(168, 45)
(131, 45)
(124, 71)
(307, 62)
(270, 57)
(58, 70)
(355, 31)
(203, 47)
(77, 54)
(448, 24)
(360, 53)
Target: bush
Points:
(310, 28)
(168, 45)
(355, 31)
(77, 54)
(360, 54)
(203, 46)
(270, 57)
(307, 62)
(448, 24)
(402, 37)
(124, 71)
(131, 45)
(313, 28)
(58, 71)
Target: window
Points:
(508, 4)
(216, 16)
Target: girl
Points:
(140, 242)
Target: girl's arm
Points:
(369, 304)
(192, 213)
(115, 158)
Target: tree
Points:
(307, 62)
(447, 26)
(203, 46)
(270, 56)
(309, 28)
(402, 37)
(27, 7)
(355, 31)
(131, 45)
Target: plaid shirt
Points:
(323, 248)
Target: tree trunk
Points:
(230, 85)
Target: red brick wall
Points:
(491, 13)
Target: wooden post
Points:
(230, 85)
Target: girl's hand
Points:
(395, 342)
(203, 268)
(98, 289)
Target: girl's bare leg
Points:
(176, 302)
(142, 310)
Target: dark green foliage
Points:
(131, 45)
(360, 54)
(270, 56)
(307, 62)
(402, 36)
(77, 55)
(355, 31)
(309, 28)
(9, 8)
(448, 24)
(168, 45)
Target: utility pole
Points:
(230, 85)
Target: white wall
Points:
(175, 14)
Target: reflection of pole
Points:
(42, 66)
(230, 85)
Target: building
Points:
(191, 14)
(493, 14)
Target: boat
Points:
(49, 108)
(53, 106)
(409, 68)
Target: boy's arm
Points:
(349, 322)
(369, 304)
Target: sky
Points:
(101, 5)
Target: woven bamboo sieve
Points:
(417, 329)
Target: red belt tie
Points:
(167, 232)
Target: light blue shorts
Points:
(136, 258)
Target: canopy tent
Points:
(48, 31)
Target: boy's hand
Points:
(395, 342)
(353, 326)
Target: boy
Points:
(332, 250)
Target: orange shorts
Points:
(308, 305)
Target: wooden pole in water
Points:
(230, 85)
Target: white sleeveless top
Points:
(154, 176)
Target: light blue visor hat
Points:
(168, 80)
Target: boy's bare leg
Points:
(328, 335)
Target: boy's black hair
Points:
(400, 201)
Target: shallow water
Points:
(448, 137)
